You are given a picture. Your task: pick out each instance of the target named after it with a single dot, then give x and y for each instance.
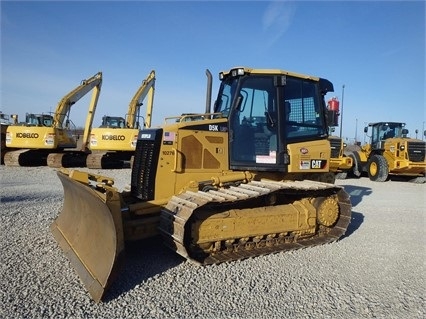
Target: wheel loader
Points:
(390, 153)
(242, 181)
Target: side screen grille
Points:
(145, 164)
(416, 151)
(335, 144)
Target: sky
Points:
(372, 51)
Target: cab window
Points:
(303, 109)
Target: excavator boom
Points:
(78, 158)
(146, 89)
(63, 107)
(91, 112)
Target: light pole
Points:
(341, 111)
(356, 130)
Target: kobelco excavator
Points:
(114, 142)
(244, 180)
(42, 139)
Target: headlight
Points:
(236, 72)
(402, 147)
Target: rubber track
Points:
(181, 207)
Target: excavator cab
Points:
(38, 119)
(4, 118)
(113, 122)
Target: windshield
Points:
(224, 100)
(384, 131)
(39, 119)
(114, 122)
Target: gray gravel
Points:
(377, 270)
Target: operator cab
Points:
(38, 119)
(4, 119)
(382, 131)
(113, 122)
(268, 111)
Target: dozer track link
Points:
(177, 219)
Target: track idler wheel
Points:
(327, 210)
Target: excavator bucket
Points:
(89, 231)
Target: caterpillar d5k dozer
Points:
(244, 180)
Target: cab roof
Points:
(271, 71)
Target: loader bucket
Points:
(89, 231)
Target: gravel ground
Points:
(377, 270)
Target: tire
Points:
(342, 175)
(418, 180)
(329, 178)
(378, 170)
(355, 170)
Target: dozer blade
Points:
(89, 231)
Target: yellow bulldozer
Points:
(390, 153)
(43, 138)
(244, 180)
(113, 144)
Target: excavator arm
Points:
(91, 113)
(146, 89)
(72, 97)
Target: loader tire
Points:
(341, 175)
(378, 170)
(418, 180)
(355, 171)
